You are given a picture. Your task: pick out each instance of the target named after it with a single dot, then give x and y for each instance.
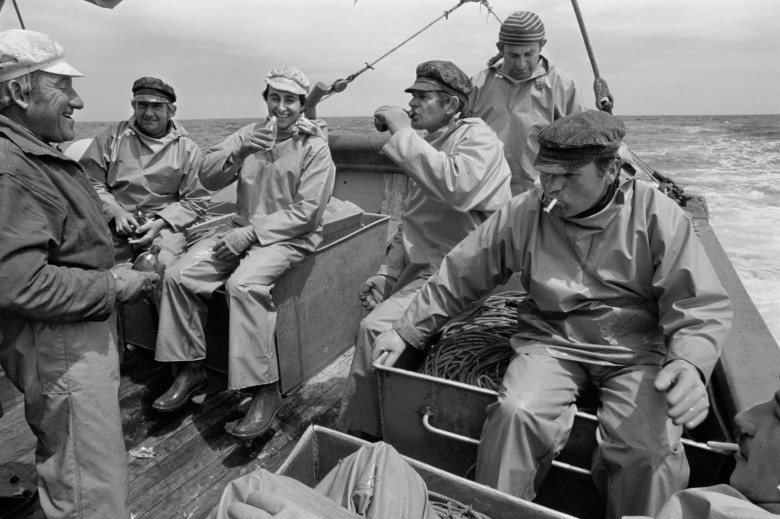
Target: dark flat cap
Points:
(442, 75)
(575, 140)
(153, 90)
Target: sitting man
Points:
(754, 490)
(285, 178)
(150, 162)
(621, 296)
(521, 92)
(457, 178)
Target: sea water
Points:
(733, 161)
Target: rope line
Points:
(476, 351)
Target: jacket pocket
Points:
(52, 357)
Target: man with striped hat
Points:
(522, 92)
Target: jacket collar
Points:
(28, 141)
(542, 69)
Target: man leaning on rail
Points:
(148, 161)
(59, 287)
(621, 295)
(521, 92)
(457, 178)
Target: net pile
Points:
(476, 350)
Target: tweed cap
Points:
(521, 28)
(153, 90)
(576, 140)
(442, 75)
(22, 52)
(288, 79)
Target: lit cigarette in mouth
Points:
(550, 205)
(723, 447)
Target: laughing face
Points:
(286, 106)
(50, 108)
(757, 473)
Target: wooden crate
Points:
(320, 449)
(318, 307)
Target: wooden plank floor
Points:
(194, 457)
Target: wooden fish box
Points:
(320, 449)
(318, 307)
(439, 422)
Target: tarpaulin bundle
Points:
(476, 350)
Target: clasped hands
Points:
(127, 225)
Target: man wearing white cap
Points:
(59, 287)
(285, 178)
(521, 92)
(147, 161)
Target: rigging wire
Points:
(340, 84)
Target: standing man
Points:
(522, 94)
(59, 287)
(148, 161)
(457, 177)
(285, 178)
(621, 296)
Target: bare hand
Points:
(147, 232)
(132, 285)
(125, 223)
(261, 139)
(686, 394)
(394, 117)
(375, 290)
(233, 243)
(392, 344)
(262, 505)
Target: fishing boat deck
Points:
(194, 458)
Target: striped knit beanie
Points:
(521, 28)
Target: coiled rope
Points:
(476, 350)
(448, 508)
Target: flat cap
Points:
(576, 140)
(442, 75)
(288, 79)
(521, 28)
(153, 90)
(22, 52)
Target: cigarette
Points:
(723, 447)
(551, 205)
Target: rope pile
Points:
(476, 350)
(448, 508)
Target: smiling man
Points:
(285, 178)
(457, 178)
(521, 92)
(621, 296)
(58, 287)
(147, 161)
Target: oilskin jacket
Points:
(457, 177)
(629, 285)
(55, 246)
(281, 193)
(518, 109)
(718, 502)
(55, 343)
(128, 168)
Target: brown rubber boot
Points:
(265, 403)
(191, 378)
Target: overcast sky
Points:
(659, 57)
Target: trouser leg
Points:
(640, 462)
(529, 424)
(71, 404)
(187, 287)
(252, 357)
(360, 402)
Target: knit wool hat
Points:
(521, 28)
